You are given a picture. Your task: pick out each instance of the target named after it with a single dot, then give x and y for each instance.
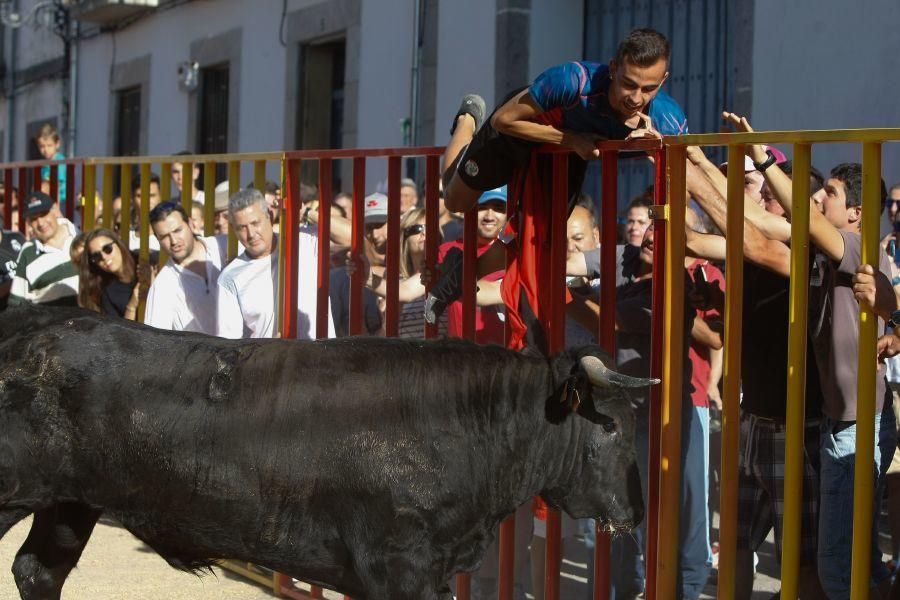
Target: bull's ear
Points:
(567, 398)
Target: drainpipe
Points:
(10, 88)
(72, 44)
(414, 83)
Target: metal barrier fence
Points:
(668, 301)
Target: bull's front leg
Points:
(57, 538)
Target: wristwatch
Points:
(895, 319)
(761, 167)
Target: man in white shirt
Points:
(247, 286)
(184, 294)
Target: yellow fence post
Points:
(108, 174)
(209, 198)
(259, 175)
(144, 252)
(187, 186)
(89, 191)
(795, 422)
(734, 300)
(672, 377)
(234, 186)
(125, 193)
(863, 479)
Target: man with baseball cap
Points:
(44, 273)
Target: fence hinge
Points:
(659, 212)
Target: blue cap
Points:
(494, 194)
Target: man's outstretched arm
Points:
(770, 254)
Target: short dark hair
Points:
(643, 48)
(136, 182)
(816, 179)
(850, 174)
(163, 210)
(586, 202)
(641, 201)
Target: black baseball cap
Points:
(37, 203)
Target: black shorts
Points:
(491, 158)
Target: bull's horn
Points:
(599, 374)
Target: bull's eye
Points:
(609, 427)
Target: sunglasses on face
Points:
(413, 230)
(106, 248)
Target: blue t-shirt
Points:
(574, 96)
(61, 179)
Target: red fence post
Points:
(392, 257)
(324, 266)
(71, 196)
(7, 199)
(357, 245)
(290, 223)
(609, 195)
(432, 227)
(23, 196)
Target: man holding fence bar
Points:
(574, 105)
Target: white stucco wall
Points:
(828, 67)
(466, 58)
(556, 34)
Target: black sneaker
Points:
(472, 104)
(448, 289)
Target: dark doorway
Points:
(212, 131)
(320, 109)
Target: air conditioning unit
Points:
(107, 12)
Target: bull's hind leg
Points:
(58, 536)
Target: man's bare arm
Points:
(705, 245)
(822, 233)
(515, 118)
(771, 254)
(772, 226)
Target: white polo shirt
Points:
(247, 288)
(181, 299)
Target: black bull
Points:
(375, 467)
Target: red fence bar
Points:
(655, 412)
(392, 256)
(71, 197)
(609, 195)
(507, 544)
(290, 222)
(324, 266)
(7, 199)
(54, 181)
(432, 227)
(357, 245)
(470, 276)
(23, 196)
(554, 323)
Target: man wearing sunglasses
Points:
(184, 294)
(44, 273)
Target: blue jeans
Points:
(838, 452)
(695, 554)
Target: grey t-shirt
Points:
(633, 303)
(834, 329)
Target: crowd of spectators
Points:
(200, 289)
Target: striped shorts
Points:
(761, 486)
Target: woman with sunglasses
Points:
(412, 290)
(108, 281)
